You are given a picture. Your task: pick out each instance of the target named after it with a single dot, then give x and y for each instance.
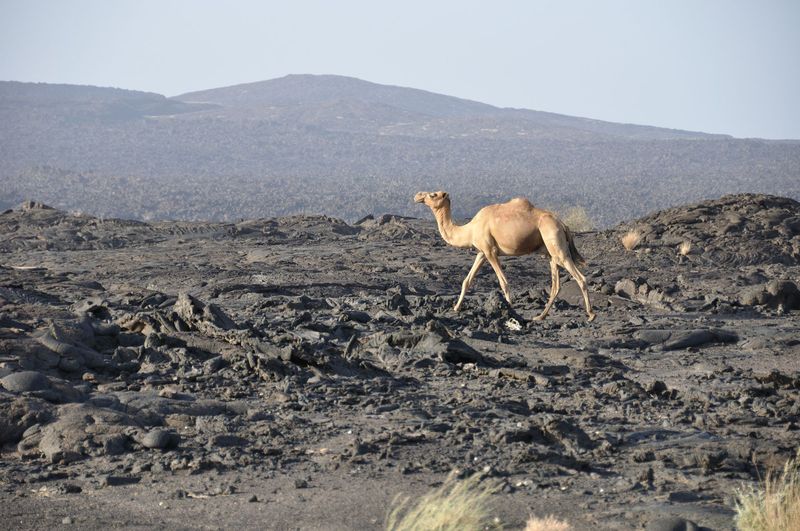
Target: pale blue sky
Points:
(719, 66)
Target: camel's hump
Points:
(521, 201)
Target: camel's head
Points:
(435, 200)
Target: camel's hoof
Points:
(591, 317)
(539, 318)
(456, 309)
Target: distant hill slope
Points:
(345, 147)
(42, 101)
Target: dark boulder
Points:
(25, 381)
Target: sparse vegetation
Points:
(577, 219)
(548, 523)
(631, 239)
(775, 504)
(685, 248)
(156, 158)
(458, 505)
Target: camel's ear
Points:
(445, 195)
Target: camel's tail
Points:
(573, 251)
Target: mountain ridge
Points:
(284, 90)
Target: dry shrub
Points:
(548, 523)
(455, 506)
(631, 239)
(577, 219)
(685, 248)
(775, 504)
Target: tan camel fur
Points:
(514, 228)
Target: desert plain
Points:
(303, 372)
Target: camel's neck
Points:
(455, 235)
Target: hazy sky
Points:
(719, 66)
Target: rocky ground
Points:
(299, 373)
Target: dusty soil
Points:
(299, 373)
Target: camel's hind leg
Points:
(469, 279)
(570, 266)
(556, 242)
(555, 287)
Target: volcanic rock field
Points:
(301, 372)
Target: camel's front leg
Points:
(470, 277)
(501, 277)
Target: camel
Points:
(514, 228)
